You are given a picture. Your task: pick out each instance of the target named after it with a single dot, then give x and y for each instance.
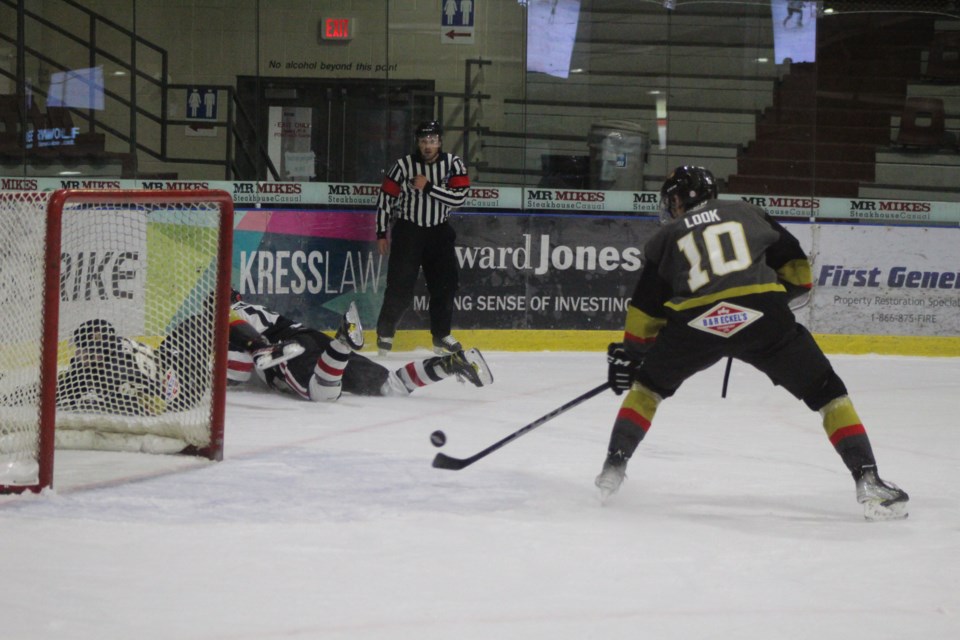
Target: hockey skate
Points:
(468, 365)
(384, 345)
(881, 500)
(350, 331)
(273, 355)
(610, 479)
(447, 345)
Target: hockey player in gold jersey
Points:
(716, 282)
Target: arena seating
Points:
(922, 124)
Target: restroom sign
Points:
(202, 103)
(456, 21)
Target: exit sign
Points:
(337, 28)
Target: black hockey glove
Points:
(621, 367)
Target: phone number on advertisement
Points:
(925, 318)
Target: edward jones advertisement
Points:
(516, 271)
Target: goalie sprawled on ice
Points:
(327, 365)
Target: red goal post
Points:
(116, 335)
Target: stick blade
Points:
(443, 461)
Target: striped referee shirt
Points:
(446, 189)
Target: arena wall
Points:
(549, 269)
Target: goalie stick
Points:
(443, 461)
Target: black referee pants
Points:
(413, 247)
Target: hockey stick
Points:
(726, 377)
(726, 373)
(443, 461)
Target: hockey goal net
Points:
(115, 326)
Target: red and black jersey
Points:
(268, 323)
(446, 189)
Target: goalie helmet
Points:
(692, 185)
(96, 330)
(94, 335)
(209, 306)
(429, 128)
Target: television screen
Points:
(551, 32)
(77, 88)
(794, 30)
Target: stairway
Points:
(132, 123)
(828, 118)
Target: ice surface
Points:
(737, 519)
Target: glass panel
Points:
(779, 98)
(66, 88)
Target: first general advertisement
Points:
(883, 280)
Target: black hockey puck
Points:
(438, 438)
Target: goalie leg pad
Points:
(325, 391)
(239, 366)
(420, 373)
(395, 386)
(287, 381)
(326, 384)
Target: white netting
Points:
(22, 231)
(135, 331)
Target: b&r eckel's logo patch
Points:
(725, 319)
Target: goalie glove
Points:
(621, 367)
(274, 354)
(139, 396)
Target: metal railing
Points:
(251, 151)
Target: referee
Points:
(416, 196)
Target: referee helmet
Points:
(429, 128)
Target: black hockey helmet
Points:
(93, 333)
(235, 296)
(429, 128)
(210, 301)
(693, 185)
